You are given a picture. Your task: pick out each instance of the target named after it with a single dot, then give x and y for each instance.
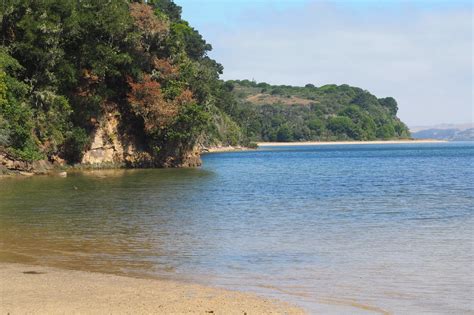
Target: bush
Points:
(4, 133)
(343, 126)
(252, 145)
(75, 144)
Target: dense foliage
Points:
(330, 112)
(66, 63)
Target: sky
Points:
(419, 52)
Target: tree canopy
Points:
(66, 63)
(330, 112)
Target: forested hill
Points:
(288, 113)
(118, 81)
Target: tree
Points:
(147, 102)
(152, 27)
(390, 103)
(284, 134)
(316, 125)
(343, 126)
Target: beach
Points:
(278, 144)
(219, 149)
(43, 290)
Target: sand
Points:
(276, 144)
(219, 149)
(44, 290)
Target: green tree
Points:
(284, 134)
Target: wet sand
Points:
(44, 290)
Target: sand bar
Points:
(278, 144)
(219, 149)
(43, 290)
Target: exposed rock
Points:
(192, 158)
(27, 173)
(41, 167)
(11, 165)
(113, 147)
(57, 160)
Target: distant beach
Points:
(43, 290)
(277, 144)
(218, 149)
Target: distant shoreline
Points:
(278, 144)
(229, 148)
(222, 149)
(45, 290)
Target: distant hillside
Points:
(460, 127)
(445, 134)
(287, 113)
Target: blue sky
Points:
(419, 52)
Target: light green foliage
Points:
(4, 126)
(189, 124)
(52, 120)
(344, 128)
(16, 117)
(4, 132)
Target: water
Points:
(335, 229)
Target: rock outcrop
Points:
(113, 147)
(10, 165)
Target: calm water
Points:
(340, 229)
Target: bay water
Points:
(342, 229)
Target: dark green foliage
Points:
(344, 128)
(188, 124)
(390, 103)
(330, 112)
(169, 8)
(16, 117)
(75, 142)
(284, 134)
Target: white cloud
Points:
(420, 56)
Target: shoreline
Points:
(229, 148)
(47, 290)
(277, 144)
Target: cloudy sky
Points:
(419, 52)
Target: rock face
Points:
(9, 165)
(113, 147)
(110, 147)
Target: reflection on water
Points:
(368, 228)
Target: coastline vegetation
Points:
(328, 113)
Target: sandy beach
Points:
(277, 144)
(42, 290)
(218, 149)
